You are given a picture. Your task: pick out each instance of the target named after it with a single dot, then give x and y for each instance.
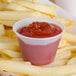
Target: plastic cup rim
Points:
(38, 38)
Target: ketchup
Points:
(40, 30)
(39, 54)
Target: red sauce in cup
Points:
(39, 54)
(40, 30)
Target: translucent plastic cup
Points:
(39, 51)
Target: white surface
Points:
(37, 41)
(68, 5)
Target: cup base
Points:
(38, 63)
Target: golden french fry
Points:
(10, 23)
(32, 0)
(64, 55)
(2, 6)
(10, 53)
(10, 1)
(62, 43)
(17, 59)
(73, 54)
(2, 30)
(18, 74)
(3, 73)
(72, 61)
(13, 15)
(16, 7)
(68, 45)
(6, 39)
(22, 68)
(11, 34)
(38, 7)
(69, 37)
(70, 48)
(55, 63)
(9, 46)
(7, 23)
(6, 1)
(4, 58)
(17, 15)
(67, 22)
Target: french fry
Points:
(13, 15)
(7, 23)
(68, 45)
(3, 73)
(17, 15)
(72, 61)
(37, 7)
(32, 0)
(73, 54)
(11, 34)
(62, 43)
(55, 63)
(22, 68)
(6, 1)
(4, 58)
(18, 74)
(69, 37)
(67, 22)
(11, 53)
(16, 7)
(70, 48)
(2, 30)
(7, 40)
(64, 55)
(10, 1)
(2, 6)
(17, 59)
(9, 46)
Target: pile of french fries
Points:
(10, 56)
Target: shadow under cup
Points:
(39, 51)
